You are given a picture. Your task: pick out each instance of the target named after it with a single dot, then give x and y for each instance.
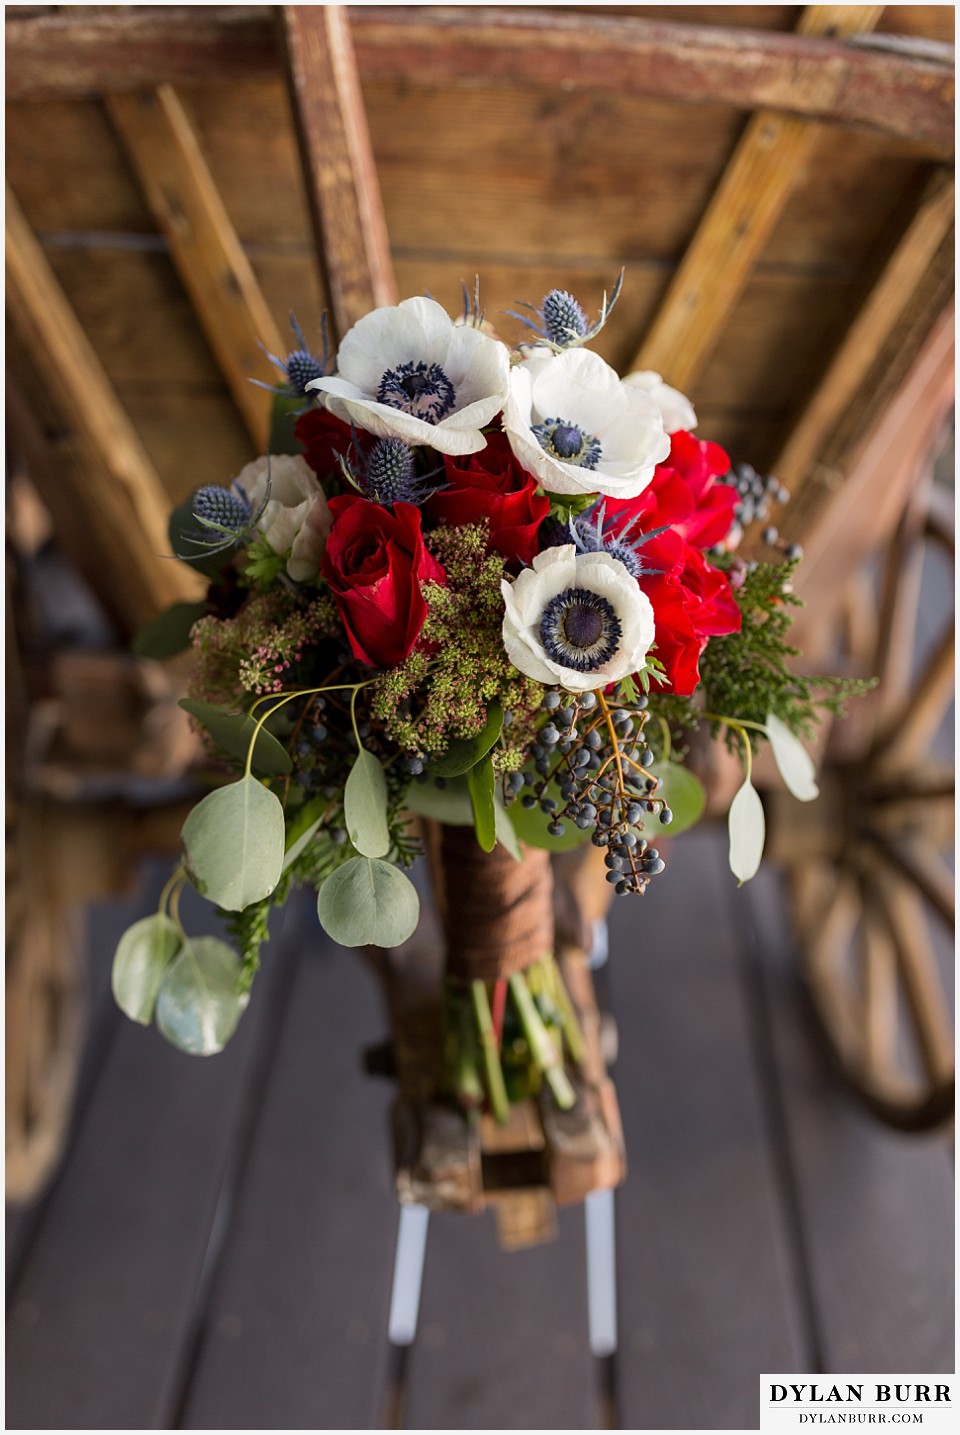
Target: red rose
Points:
(492, 485)
(375, 562)
(323, 437)
(692, 601)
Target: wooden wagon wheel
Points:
(866, 866)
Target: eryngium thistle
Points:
(221, 508)
(389, 473)
(301, 368)
(563, 319)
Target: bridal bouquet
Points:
(496, 588)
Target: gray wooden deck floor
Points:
(217, 1249)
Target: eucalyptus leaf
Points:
(793, 760)
(683, 793)
(199, 1003)
(481, 786)
(143, 955)
(365, 806)
(530, 825)
(304, 828)
(234, 843)
(747, 831)
(367, 902)
(169, 633)
(504, 829)
(464, 753)
(449, 804)
(232, 732)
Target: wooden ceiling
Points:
(781, 201)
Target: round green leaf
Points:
(747, 831)
(368, 903)
(199, 1005)
(449, 804)
(169, 633)
(234, 843)
(143, 955)
(683, 793)
(232, 732)
(365, 806)
(465, 753)
(793, 760)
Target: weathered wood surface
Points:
(337, 162)
(210, 260)
(710, 1295)
(58, 56)
(122, 503)
(766, 1217)
(852, 1179)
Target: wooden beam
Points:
(84, 52)
(179, 188)
(338, 164)
(865, 507)
(737, 223)
(863, 340)
(121, 503)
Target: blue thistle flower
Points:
(563, 319)
(560, 322)
(221, 508)
(388, 474)
(301, 366)
(590, 534)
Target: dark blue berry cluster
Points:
(599, 760)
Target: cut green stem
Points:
(542, 1047)
(493, 1071)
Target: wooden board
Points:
(502, 1342)
(708, 1296)
(295, 1333)
(875, 1206)
(106, 1297)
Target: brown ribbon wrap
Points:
(497, 913)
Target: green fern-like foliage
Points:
(747, 675)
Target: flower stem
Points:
(541, 1044)
(572, 1034)
(493, 1071)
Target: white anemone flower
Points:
(573, 424)
(577, 620)
(676, 410)
(410, 372)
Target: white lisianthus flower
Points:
(296, 519)
(676, 410)
(572, 423)
(576, 619)
(410, 372)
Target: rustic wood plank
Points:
(876, 1207)
(737, 223)
(503, 1337)
(708, 1286)
(887, 300)
(54, 55)
(204, 246)
(296, 1332)
(866, 502)
(123, 500)
(101, 1315)
(351, 234)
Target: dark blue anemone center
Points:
(420, 389)
(568, 442)
(579, 629)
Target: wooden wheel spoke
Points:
(900, 601)
(907, 735)
(923, 865)
(903, 912)
(879, 1012)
